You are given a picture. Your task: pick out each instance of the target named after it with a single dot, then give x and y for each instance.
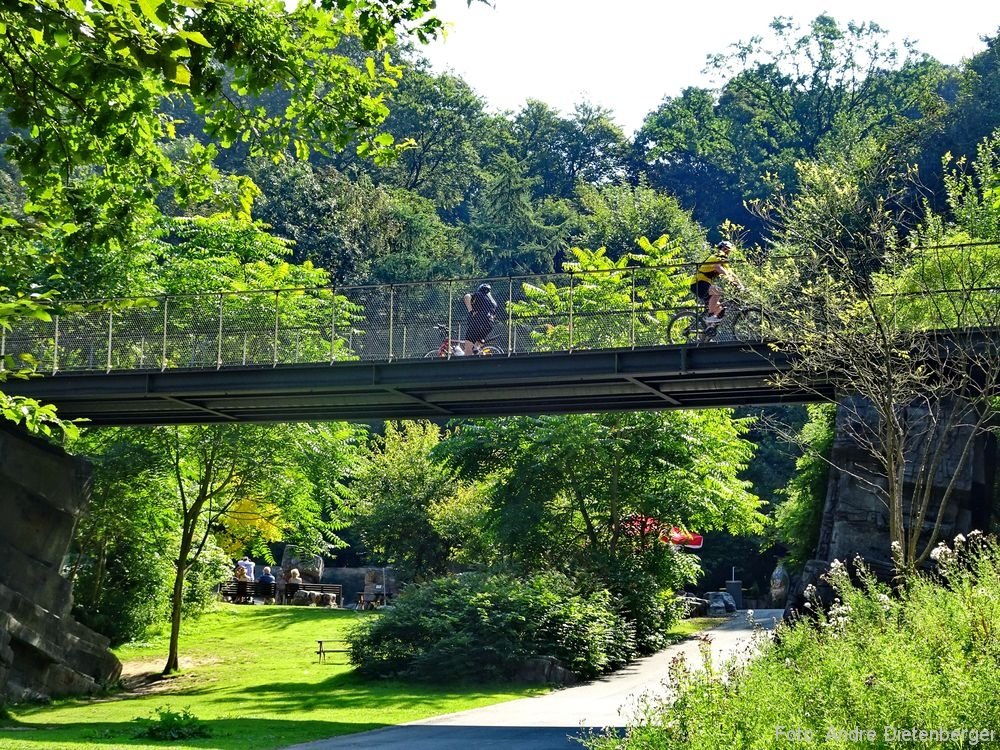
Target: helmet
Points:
(724, 246)
(485, 288)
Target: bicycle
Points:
(740, 322)
(456, 347)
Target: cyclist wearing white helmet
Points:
(482, 314)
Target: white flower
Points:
(960, 539)
(975, 532)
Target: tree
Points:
(228, 473)
(615, 216)
(119, 543)
(683, 148)
(564, 152)
(589, 495)
(84, 90)
(799, 94)
(358, 231)
(911, 351)
(395, 495)
(798, 517)
(813, 90)
(513, 233)
(644, 288)
(967, 118)
(443, 120)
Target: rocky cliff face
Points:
(43, 651)
(855, 521)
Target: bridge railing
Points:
(612, 308)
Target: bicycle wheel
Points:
(489, 350)
(684, 327)
(750, 324)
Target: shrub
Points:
(642, 589)
(212, 567)
(123, 597)
(928, 658)
(173, 725)
(482, 627)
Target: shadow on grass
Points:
(226, 734)
(260, 734)
(288, 614)
(346, 690)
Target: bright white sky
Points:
(627, 55)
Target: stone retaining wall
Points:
(44, 652)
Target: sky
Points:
(626, 55)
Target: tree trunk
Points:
(177, 598)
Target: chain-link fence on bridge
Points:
(604, 309)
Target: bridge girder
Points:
(655, 378)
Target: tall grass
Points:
(878, 662)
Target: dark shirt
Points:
(267, 578)
(483, 303)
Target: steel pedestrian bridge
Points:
(578, 342)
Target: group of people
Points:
(482, 307)
(246, 584)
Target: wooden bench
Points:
(334, 589)
(236, 590)
(232, 589)
(330, 646)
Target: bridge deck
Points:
(664, 377)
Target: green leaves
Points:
(86, 85)
(176, 72)
(150, 10)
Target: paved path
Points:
(553, 721)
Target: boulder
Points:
(716, 604)
(694, 606)
(544, 670)
(310, 567)
(44, 652)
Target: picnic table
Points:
(330, 646)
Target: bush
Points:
(173, 725)
(212, 567)
(126, 595)
(928, 658)
(482, 627)
(642, 589)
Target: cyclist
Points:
(703, 285)
(482, 314)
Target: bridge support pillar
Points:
(855, 520)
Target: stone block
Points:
(44, 653)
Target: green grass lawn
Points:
(250, 673)
(692, 625)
